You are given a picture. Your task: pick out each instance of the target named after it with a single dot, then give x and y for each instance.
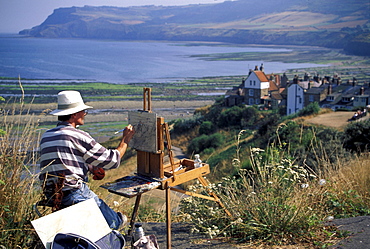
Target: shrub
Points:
(310, 109)
(207, 128)
(230, 117)
(203, 142)
(357, 136)
(184, 125)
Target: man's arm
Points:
(128, 133)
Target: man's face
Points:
(79, 117)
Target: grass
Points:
(280, 203)
(18, 181)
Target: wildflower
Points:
(304, 185)
(270, 182)
(239, 220)
(330, 218)
(257, 150)
(322, 182)
(116, 203)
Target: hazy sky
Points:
(16, 15)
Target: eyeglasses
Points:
(86, 112)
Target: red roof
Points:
(261, 76)
(273, 86)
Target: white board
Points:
(84, 218)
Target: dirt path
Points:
(358, 229)
(333, 119)
(181, 238)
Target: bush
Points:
(231, 117)
(198, 144)
(184, 125)
(357, 136)
(310, 109)
(206, 128)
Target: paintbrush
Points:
(120, 131)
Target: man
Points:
(67, 154)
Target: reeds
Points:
(18, 178)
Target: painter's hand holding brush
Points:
(127, 134)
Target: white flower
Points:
(330, 218)
(116, 203)
(239, 220)
(256, 150)
(322, 182)
(304, 185)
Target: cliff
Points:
(331, 23)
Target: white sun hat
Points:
(69, 102)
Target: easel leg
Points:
(205, 184)
(168, 213)
(134, 214)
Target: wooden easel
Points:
(150, 166)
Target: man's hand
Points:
(98, 173)
(127, 134)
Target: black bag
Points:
(113, 240)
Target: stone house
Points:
(257, 89)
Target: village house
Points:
(257, 89)
(347, 96)
(294, 104)
(271, 91)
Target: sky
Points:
(16, 15)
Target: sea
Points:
(124, 62)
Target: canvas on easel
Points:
(145, 125)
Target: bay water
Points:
(123, 61)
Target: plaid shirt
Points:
(68, 151)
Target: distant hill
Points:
(330, 23)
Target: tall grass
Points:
(280, 202)
(18, 180)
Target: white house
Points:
(295, 98)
